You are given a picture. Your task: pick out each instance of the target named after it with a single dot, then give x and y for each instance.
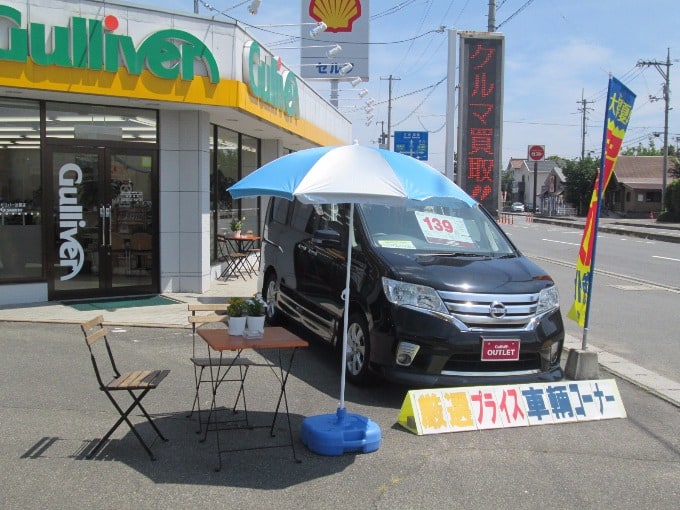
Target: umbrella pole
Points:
(345, 297)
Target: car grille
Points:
(484, 312)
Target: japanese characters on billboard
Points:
(480, 116)
(348, 24)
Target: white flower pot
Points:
(237, 325)
(255, 324)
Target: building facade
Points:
(121, 128)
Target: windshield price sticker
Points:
(396, 244)
(441, 229)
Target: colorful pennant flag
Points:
(619, 108)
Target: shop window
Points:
(249, 163)
(232, 156)
(20, 191)
(94, 122)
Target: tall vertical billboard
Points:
(480, 117)
(348, 24)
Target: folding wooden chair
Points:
(137, 384)
(203, 315)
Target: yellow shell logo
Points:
(338, 15)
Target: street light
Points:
(345, 69)
(334, 51)
(318, 29)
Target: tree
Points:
(672, 212)
(650, 150)
(580, 179)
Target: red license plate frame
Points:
(500, 349)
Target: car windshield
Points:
(451, 229)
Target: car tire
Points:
(358, 350)
(269, 289)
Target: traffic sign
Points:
(536, 152)
(411, 143)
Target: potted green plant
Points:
(256, 314)
(237, 309)
(236, 225)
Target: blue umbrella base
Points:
(335, 434)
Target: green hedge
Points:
(672, 203)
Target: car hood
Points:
(512, 275)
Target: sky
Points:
(558, 58)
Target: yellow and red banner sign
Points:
(619, 108)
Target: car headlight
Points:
(420, 296)
(548, 299)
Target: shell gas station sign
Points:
(347, 23)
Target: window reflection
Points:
(20, 191)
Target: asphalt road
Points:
(636, 291)
(51, 411)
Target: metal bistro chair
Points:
(201, 316)
(236, 262)
(254, 252)
(137, 384)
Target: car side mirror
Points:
(326, 239)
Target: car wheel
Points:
(269, 290)
(358, 350)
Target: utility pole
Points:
(381, 143)
(389, 111)
(666, 75)
(492, 16)
(584, 110)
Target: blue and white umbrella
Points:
(352, 174)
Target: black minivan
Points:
(439, 296)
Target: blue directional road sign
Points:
(411, 143)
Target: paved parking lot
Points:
(52, 412)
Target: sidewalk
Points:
(170, 316)
(643, 228)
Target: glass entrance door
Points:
(102, 236)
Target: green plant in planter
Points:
(237, 223)
(256, 307)
(237, 307)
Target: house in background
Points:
(551, 196)
(635, 188)
(523, 178)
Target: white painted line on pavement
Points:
(560, 242)
(665, 258)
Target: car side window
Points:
(301, 214)
(280, 210)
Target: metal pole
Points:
(195, 6)
(449, 151)
(389, 115)
(334, 93)
(535, 185)
(666, 96)
(389, 111)
(492, 16)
